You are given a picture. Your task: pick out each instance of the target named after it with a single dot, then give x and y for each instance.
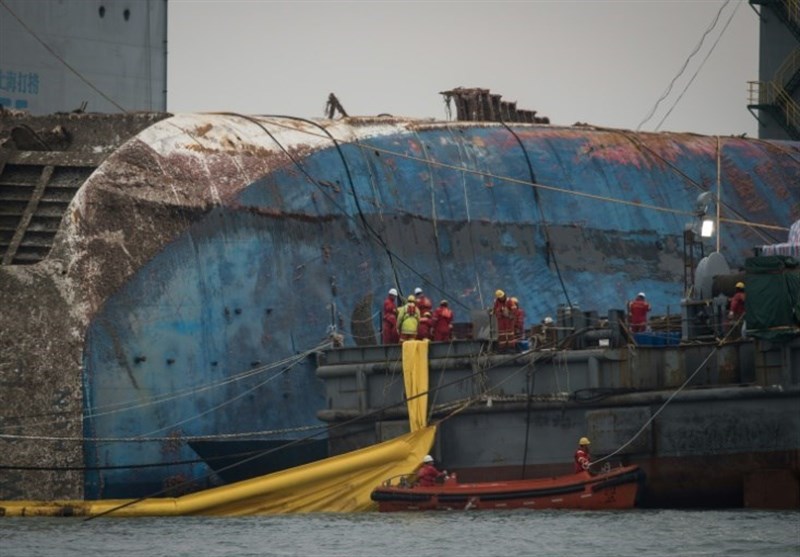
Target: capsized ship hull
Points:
(204, 261)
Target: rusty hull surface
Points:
(204, 246)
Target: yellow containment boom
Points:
(340, 483)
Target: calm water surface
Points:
(503, 534)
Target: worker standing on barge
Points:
(424, 304)
(408, 320)
(736, 313)
(637, 313)
(442, 322)
(389, 332)
(502, 311)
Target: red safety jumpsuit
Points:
(519, 323)
(503, 312)
(638, 309)
(424, 303)
(424, 327)
(581, 460)
(442, 324)
(428, 474)
(737, 304)
(389, 332)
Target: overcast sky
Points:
(601, 62)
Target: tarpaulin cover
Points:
(415, 376)
(341, 483)
(772, 305)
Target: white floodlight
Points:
(707, 230)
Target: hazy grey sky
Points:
(602, 62)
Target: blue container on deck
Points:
(652, 338)
(523, 345)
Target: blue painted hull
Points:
(214, 333)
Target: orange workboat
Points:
(611, 489)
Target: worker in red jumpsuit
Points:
(737, 302)
(736, 312)
(519, 319)
(582, 457)
(503, 313)
(637, 313)
(424, 329)
(442, 322)
(428, 474)
(423, 302)
(389, 332)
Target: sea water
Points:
(636, 533)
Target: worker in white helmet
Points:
(428, 474)
(389, 333)
(423, 302)
(637, 313)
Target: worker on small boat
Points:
(637, 313)
(408, 319)
(428, 474)
(582, 456)
(389, 332)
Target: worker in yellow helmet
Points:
(408, 319)
(737, 302)
(504, 313)
(582, 456)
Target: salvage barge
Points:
(169, 279)
(710, 425)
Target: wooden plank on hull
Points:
(27, 215)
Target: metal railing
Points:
(793, 10)
(788, 68)
(770, 93)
